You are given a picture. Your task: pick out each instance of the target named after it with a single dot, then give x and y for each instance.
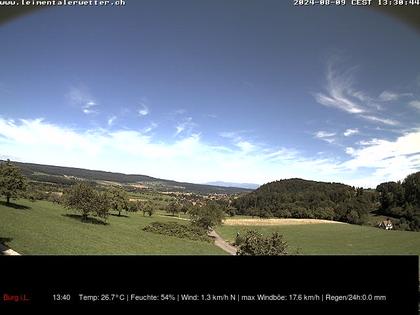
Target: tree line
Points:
(402, 200)
(298, 198)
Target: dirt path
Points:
(220, 242)
(7, 251)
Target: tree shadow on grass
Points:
(120, 216)
(5, 240)
(3, 244)
(78, 217)
(14, 205)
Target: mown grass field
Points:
(44, 228)
(341, 239)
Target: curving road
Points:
(220, 242)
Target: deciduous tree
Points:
(12, 182)
(207, 216)
(119, 200)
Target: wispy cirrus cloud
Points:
(81, 97)
(325, 136)
(349, 132)
(415, 104)
(151, 127)
(185, 126)
(111, 120)
(339, 91)
(238, 140)
(386, 121)
(341, 94)
(373, 141)
(143, 110)
(388, 96)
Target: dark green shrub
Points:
(255, 244)
(191, 232)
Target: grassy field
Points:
(320, 239)
(44, 228)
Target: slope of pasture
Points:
(44, 228)
(341, 239)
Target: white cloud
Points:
(229, 134)
(179, 129)
(388, 96)
(245, 146)
(350, 132)
(185, 126)
(340, 92)
(143, 110)
(150, 128)
(193, 160)
(187, 159)
(390, 160)
(342, 95)
(325, 136)
(415, 104)
(370, 142)
(80, 97)
(111, 120)
(385, 121)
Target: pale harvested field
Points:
(277, 221)
(136, 199)
(141, 186)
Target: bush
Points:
(148, 209)
(230, 211)
(134, 206)
(255, 244)
(402, 225)
(239, 240)
(173, 208)
(191, 232)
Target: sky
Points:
(201, 91)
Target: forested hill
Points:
(67, 175)
(298, 185)
(299, 198)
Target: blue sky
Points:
(198, 91)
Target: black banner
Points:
(380, 283)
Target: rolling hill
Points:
(67, 175)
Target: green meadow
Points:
(336, 239)
(42, 227)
